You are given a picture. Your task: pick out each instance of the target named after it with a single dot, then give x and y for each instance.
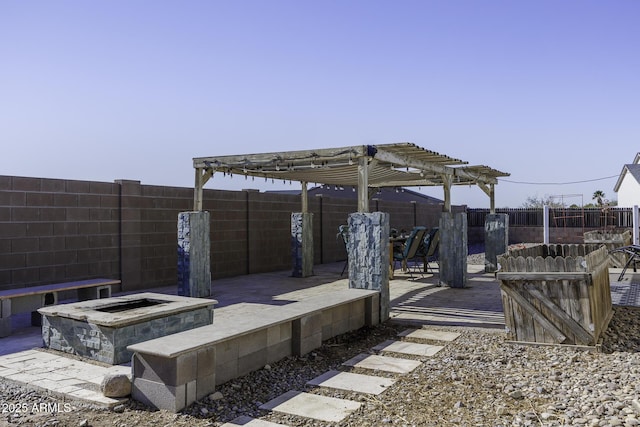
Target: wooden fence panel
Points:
(561, 298)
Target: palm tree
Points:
(598, 196)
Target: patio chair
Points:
(428, 251)
(410, 248)
(343, 233)
(633, 252)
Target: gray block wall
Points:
(194, 249)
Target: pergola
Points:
(366, 167)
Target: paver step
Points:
(367, 384)
(383, 363)
(245, 421)
(426, 334)
(405, 347)
(309, 405)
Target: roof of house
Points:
(633, 170)
(389, 194)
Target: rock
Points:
(116, 385)
(119, 409)
(516, 395)
(216, 396)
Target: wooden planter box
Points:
(556, 294)
(612, 240)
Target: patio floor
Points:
(413, 301)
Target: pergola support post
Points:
(368, 249)
(453, 249)
(302, 244)
(496, 240)
(194, 250)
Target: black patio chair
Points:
(428, 251)
(633, 252)
(410, 248)
(343, 233)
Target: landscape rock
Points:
(116, 385)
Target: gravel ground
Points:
(477, 380)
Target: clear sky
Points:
(103, 90)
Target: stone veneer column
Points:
(453, 249)
(194, 249)
(496, 240)
(368, 249)
(302, 244)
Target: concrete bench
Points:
(174, 371)
(30, 299)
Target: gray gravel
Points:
(477, 380)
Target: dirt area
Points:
(476, 380)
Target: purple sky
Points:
(544, 90)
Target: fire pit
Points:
(102, 329)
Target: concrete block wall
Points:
(57, 230)
(54, 230)
(523, 234)
(172, 383)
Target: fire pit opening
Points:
(130, 305)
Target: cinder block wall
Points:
(54, 230)
(523, 234)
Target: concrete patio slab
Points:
(383, 363)
(60, 375)
(251, 422)
(404, 347)
(329, 409)
(426, 334)
(625, 294)
(348, 381)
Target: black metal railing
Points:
(613, 217)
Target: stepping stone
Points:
(251, 422)
(353, 382)
(426, 334)
(405, 347)
(383, 363)
(313, 406)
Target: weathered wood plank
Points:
(544, 275)
(584, 336)
(527, 307)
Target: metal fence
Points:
(613, 217)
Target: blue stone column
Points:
(194, 251)
(368, 249)
(302, 244)
(496, 240)
(453, 249)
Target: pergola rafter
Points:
(362, 166)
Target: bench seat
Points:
(30, 299)
(176, 370)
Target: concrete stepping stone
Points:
(251, 422)
(367, 384)
(383, 363)
(426, 334)
(323, 408)
(411, 348)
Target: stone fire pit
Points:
(102, 329)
